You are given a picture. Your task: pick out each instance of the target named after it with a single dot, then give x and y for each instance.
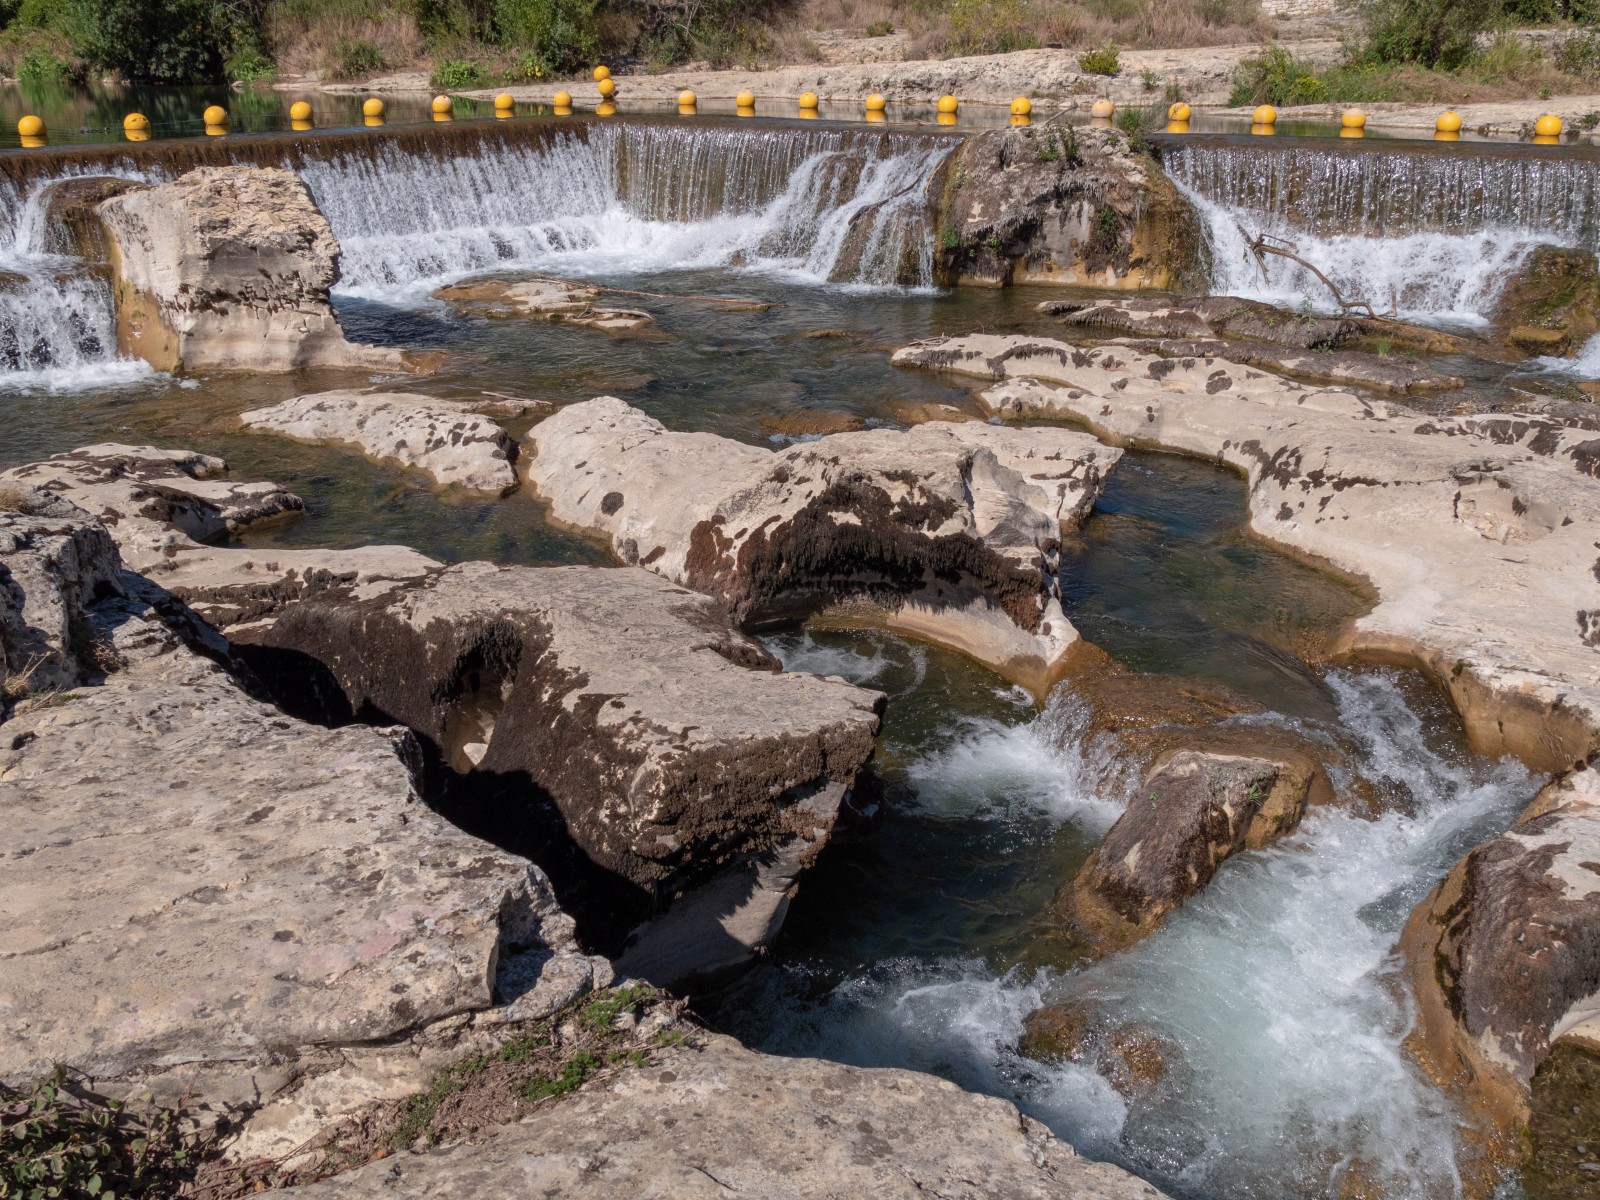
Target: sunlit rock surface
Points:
(721, 1121)
(948, 530)
(452, 446)
(1477, 533)
(555, 300)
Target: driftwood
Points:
(1264, 243)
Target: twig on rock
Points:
(1265, 243)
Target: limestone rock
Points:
(811, 422)
(1477, 532)
(1194, 810)
(1133, 1059)
(165, 507)
(674, 752)
(555, 300)
(722, 1121)
(453, 446)
(1205, 316)
(950, 530)
(1504, 955)
(1064, 204)
(228, 269)
(1552, 304)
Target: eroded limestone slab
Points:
(1477, 533)
(555, 300)
(949, 530)
(722, 1121)
(452, 446)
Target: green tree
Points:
(1430, 33)
(156, 41)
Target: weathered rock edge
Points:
(720, 1121)
(949, 531)
(1477, 533)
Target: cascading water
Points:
(57, 320)
(823, 206)
(1433, 234)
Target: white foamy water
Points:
(1278, 989)
(820, 208)
(1585, 364)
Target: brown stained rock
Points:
(1133, 1059)
(555, 300)
(1053, 204)
(1551, 305)
(718, 1121)
(1504, 955)
(1477, 533)
(802, 422)
(228, 269)
(947, 531)
(1564, 1127)
(452, 446)
(72, 217)
(909, 412)
(1194, 810)
(677, 756)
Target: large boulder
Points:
(167, 509)
(228, 269)
(205, 897)
(1064, 204)
(453, 446)
(719, 1121)
(1504, 955)
(1552, 304)
(677, 755)
(1477, 533)
(1194, 810)
(949, 530)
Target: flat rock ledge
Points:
(452, 446)
(676, 753)
(166, 509)
(228, 269)
(1477, 533)
(1504, 955)
(948, 531)
(721, 1121)
(205, 896)
(554, 300)
(1195, 810)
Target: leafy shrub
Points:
(1100, 62)
(880, 29)
(1506, 57)
(249, 63)
(456, 74)
(1430, 33)
(157, 41)
(977, 27)
(562, 35)
(40, 66)
(1275, 76)
(353, 58)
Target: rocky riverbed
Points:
(315, 829)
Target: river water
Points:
(1274, 997)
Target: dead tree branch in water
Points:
(1264, 243)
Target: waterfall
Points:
(1435, 233)
(821, 206)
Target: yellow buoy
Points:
(136, 123)
(300, 111)
(373, 121)
(876, 103)
(31, 141)
(1548, 125)
(744, 110)
(808, 114)
(372, 107)
(562, 99)
(745, 99)
(808, 100)
(1265, 115)
(444, 116)
(442, 104)
(1178, 112)
(1446, 135)
(607, 109)
(602, 72)
(216, 131)
(607, 87)
(686, 99)
(1448, 122)
(136, 135)
(1263, 129)
(1177, 127)
(948, 104)
(504, 103)
(946, 118)
(1021, 119)
(873, 114)
(1353, 118)
(215, 115)
(1021, 106)
(1352, 131)
(1102, 108)
(565, 110)
(30, 126)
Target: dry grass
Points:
(308, 37)
(15, 500)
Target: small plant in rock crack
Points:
(949, 238)
(1054, 146)
(995, 243)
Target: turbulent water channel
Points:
(1275, 996)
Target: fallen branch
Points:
(1263, 244)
